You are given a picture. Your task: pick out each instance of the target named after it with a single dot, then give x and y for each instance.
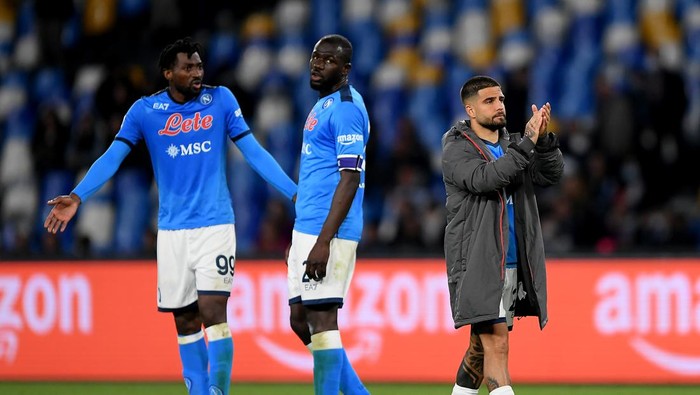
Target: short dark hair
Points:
(342, 44)
(475, 84)
(168, 57)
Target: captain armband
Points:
(351, 162)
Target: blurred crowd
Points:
(623, 77)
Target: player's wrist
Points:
(75, 197)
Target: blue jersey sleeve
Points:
(130, 130)
(349, 126)
(235, 123)
(103, 169)
(264, 164)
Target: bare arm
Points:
(65, 206)
(340, 205)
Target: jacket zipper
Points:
(500, 218)
(515, 139)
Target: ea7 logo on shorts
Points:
(161, 106)
(189, 149)
(348, 139)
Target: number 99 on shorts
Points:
(225, 265)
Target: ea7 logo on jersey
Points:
(161, 106)
(189, 149)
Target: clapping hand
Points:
(537, 125)
(546, 111)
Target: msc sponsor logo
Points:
(205, 99)
(306, 149)
(658, 304)
(189, 149)
(161, 106)
(176, 124)
(349, 139)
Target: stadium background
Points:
(623, 77)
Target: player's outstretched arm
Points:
(65, 206)
(266, 166)
(64, 209)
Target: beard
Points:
(492, 124)
(188, 91)
(316, 85)
(325, 84)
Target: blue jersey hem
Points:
(340, 235)
(193, 226)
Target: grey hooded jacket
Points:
(476, 236)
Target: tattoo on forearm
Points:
(529, 131)
(491, 383)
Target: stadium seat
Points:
(386, 107)
(49, 86)
(13, 94)
(248, 193)
(222, 50)
(324, 18)
(132, 207)
(94, 225)
(426, 104)
(581, 66)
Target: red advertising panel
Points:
(612, 321)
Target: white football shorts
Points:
(192, 261)
(339, 271)
(510, 290)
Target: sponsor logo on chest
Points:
(311, 122)
(176, 123)
(188, 149)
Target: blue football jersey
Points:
(188, 146)
(335, 137)
(512, 253)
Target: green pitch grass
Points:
(16, 388)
